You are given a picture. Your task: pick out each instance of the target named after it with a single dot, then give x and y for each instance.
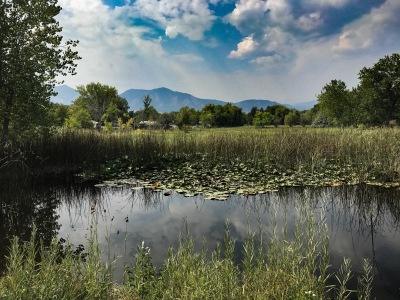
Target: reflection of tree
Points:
(28, 203)
(22, 206)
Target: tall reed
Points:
(370, 153)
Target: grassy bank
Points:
(371, 154)
(274, 265)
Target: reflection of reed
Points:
(364, 208)
(147, 198)
(25, 204)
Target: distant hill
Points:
(166, 100)
(65, 95)
(303, 105)
(246, 105)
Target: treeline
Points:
(100, 104)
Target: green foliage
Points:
(222, 116)
(338, 103)
(380, 89)
(306, 117)
(102, 102)
(58, 114)
(78, 117)
(36, 272)
(278, 112)
(32, 56)
(375, 101)
(263, 118)
(292, 118)
(187, 116)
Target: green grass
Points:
(275, 265)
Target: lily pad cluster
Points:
(217, 181)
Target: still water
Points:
(362, 221)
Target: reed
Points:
(369, 153)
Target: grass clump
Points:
(38, 272)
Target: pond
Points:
(362, 221)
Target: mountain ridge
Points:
(167, 100)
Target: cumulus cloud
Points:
(188, 18)
(248, 15)
(280, 42)
(247, 45)
(379, 27)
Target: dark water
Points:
(363, 221)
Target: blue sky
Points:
(230, 50)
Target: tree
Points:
(380, 89)
(78, 117)
(292, 118)
(262, 118)
(338, 103)
(251, 115)
(57, 114)
(278, 112)
(102, 102)
(187, 116)
(32, 56)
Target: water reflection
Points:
(362, 220)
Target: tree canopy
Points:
(32, 56)
(375, 101)
(102, 102)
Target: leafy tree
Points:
(292, 118)
(187, 116)
(251, 115)
(102, 102)
(278, 112)
(147, 104)
(262, 118)
(337, 103)
(379, 89)
(78, 117)
(207, 118)
(306, 117)
(57, 114)
(32, 56)
(166, 119)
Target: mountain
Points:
(65, 95)
(246, 105)
(166, 100)
(302, 106)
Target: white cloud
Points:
(246, 46)
(191, 18)
(334, 3)
(379, 27)
(283, 66)
(310, 21)
(248, 15)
